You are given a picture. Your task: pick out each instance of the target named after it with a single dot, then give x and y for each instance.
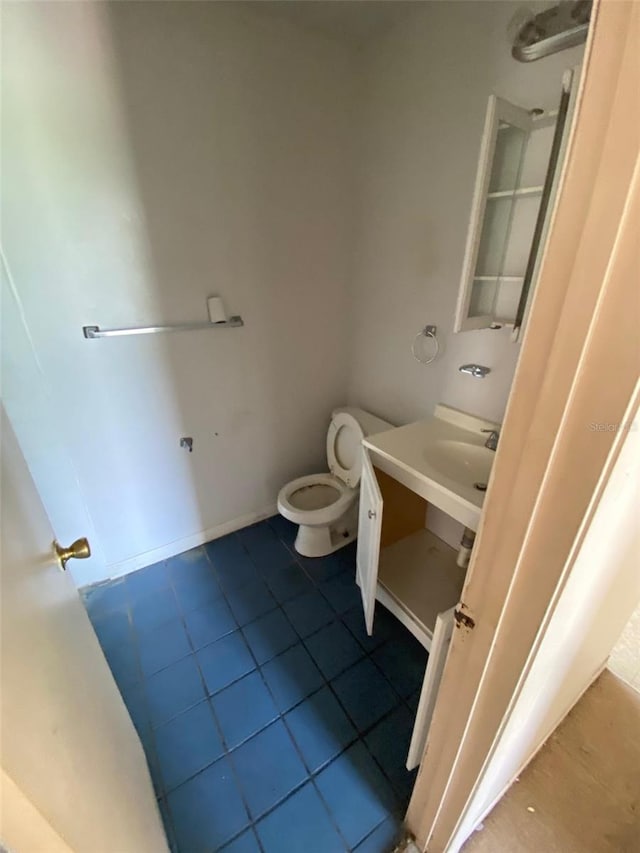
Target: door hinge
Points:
(463, 620)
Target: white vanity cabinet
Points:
(410, 571)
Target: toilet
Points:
(325, 506)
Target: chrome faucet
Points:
(477, 370)
(492, 440)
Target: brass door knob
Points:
(78, 550)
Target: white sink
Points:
(465, 463)
(440, 459)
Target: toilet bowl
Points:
(325, 506)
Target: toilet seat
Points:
(325, 513)
(344, 448)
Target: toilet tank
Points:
(369, 423)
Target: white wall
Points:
(27, 394)
(423, 93)
(154, 154)
(596, 602)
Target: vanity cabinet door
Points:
(433, 674)
(369, 528)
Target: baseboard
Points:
(148, 558)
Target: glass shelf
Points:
(515, 279)
(520, 192)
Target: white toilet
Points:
(326, 505)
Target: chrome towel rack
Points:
(92, 332)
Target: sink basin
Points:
(441, 459)
(465, 463)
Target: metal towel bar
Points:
(92, 332)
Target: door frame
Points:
(578, 370)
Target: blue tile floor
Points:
(270, 720)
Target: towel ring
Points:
(427, 332)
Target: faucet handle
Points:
(477, 370)
(492, 442)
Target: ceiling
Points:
(354, 21)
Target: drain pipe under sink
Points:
(466, 546)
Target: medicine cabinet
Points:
(516, 181)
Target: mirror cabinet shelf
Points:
(518, 191)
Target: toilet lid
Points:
(344, 448)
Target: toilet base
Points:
(325, 539)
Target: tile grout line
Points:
(360, 735)
(221, 734)
(326, 683)
(253, 821)
(337, 617)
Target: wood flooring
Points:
(581, 792)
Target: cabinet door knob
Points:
(371, 514)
